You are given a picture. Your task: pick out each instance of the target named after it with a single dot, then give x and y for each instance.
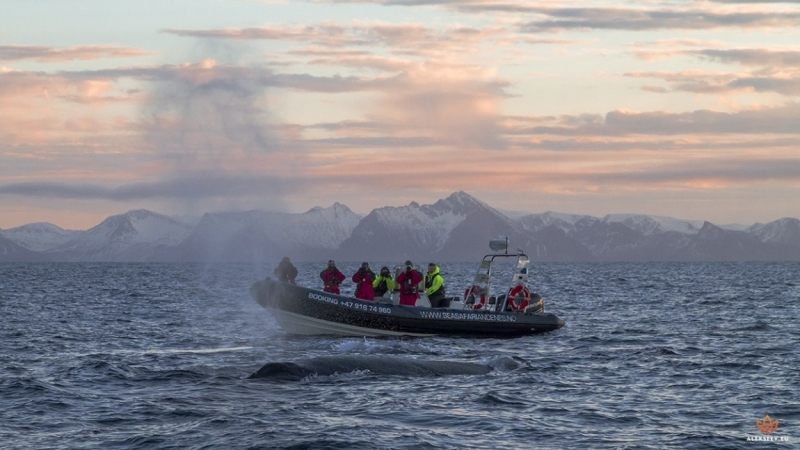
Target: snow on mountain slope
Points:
(713, 243)
(39, 236)
(10, 251)
(215, 229)
(250, 235)
(426, 231)
(649, 225)
(452, 229)
(132, 236)
(512, 214)
(425, 225)
(540, 221)
(317, 227)
(785, 231)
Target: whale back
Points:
(378, 365)
(281, 371)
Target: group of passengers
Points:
(369, 285)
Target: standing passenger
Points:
(286, 271)
(332, 278)
(363, 280)
(434, 286)
(408, 281)
(383, 283)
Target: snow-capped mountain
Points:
(540, 221)
(10, 251)
(445, 230)
(713, 243)
(636, 237)
(649, 225)
(456, 228)
(469, 239)
(784, 231)
(39, 236)
(409, 230)
(133, 236)
(606, 240)
(259, 235)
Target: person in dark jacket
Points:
(286, 271)
(383, 282)
(363, 280)
(434, 286)
(408, 280)
(331, 278)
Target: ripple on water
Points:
(157, 355)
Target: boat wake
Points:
(379, 365)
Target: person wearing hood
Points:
(286, 271)
(383, 282)
(434, 286)
(408, 280)
(331, 278)
(363, 280)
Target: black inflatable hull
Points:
(301, 310)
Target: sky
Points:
(687, 109)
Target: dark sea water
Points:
(130, 356)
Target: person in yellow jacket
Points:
(434, 286)
(383, 282)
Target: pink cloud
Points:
(53, 54)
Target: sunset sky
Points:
(689, 109)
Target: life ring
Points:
(480, 299)
(524, 293)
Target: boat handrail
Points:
(483, 277)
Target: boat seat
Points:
(535, 307)
(501, 299)
(536, 303)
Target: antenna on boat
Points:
(499, 244)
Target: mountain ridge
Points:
(455, 228)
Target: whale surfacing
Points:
(380, 365)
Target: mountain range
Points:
(456, 228)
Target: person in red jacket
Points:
(363, 280)
(332, 278)
(408, 282)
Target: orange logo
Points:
(767, 425)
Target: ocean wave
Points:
(642, 363)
